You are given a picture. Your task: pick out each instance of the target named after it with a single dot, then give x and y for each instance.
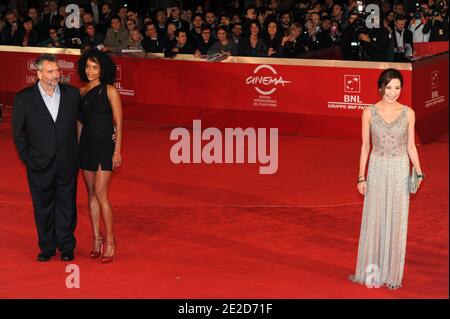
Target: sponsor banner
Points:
(302, 89)
(19, 71)
(336, 90)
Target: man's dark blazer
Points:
(37, 137)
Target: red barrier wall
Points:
(306, 97)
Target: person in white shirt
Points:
(416, 27)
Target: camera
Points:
(418, 11)
(360, 7)
(359, 25)
(358, 48)
(437, 8)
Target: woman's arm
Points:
(116, 106)
(365, 149)
(412, 149)
(80, 121)
(79, 129)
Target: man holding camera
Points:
(358, 42)
(403, 40)
(438, 23)
(419, 19)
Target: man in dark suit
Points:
(403, 40)
(48, 18)
(44, 126)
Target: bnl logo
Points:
(352, 84)
(434, 79)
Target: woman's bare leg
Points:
(93, 205)
(102, 179)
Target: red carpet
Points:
(224, 231)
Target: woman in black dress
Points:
(99, 154)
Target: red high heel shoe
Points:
(98, 240)
(109, 259)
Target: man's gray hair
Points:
(45, 57)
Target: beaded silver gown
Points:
(382, 241)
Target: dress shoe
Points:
(109, 259)
(45, 256)
(98, 241)
(67, 255)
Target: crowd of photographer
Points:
(271, 28)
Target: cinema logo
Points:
(66, 71)
(221, 149)
(435, 97)
(266, 80)
(351, 98)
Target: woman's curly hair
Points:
(107, 66)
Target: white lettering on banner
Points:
(265, 85)
(67, 71)
(434, 79)
(31, 79)
(352, 101)
(62, 64)
(352, 98)
(212, 152)
(272, 81)
(435, 97)
(434, 94)
(123, 91)
(64, 78)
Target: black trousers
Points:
(54, 193)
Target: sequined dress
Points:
(382, 241)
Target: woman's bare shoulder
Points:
(83, 90)
(111, 88)
(411, 113)
(367, 110)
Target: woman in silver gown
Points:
(382, 241)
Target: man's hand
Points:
(438, 18)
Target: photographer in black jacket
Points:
(438, 22)
(359, 42)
